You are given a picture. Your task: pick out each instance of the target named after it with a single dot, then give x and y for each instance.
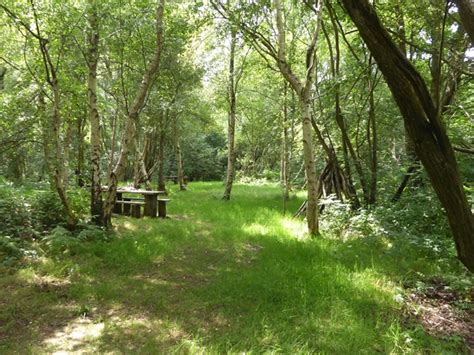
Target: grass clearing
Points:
(216, 277)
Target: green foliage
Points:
(30, 216)
(416, 227)
(61, 241)
(47, 210)
(16, 220)
(92, 233)
(204, 157)
(10, 250)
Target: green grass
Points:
(216, 277)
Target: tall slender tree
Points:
(232, 101)
(97, 211)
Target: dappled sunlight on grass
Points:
(294, 227)
(124, 224)
(256, 229)
(217, 277)
(76, 336)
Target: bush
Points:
(10, 250)
(92, 233)
(16, 221)
(79, 200)
(61, 241)
(47, 210)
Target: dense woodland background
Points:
(366, 107)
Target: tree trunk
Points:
(132, 118)
(3, 71)
(372, 139)
(161, 158)
(79, 171)
(59, 164)
(231, 119)
(466, 11)
(97, 211)
(285, 161)
(312, 210)
(425, 127)
(58, 170)
(58, 167)
(46, 141)
(179, 157)
(303, 89)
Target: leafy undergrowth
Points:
(216, 277)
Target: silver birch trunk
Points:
(95, 140)
(303, 90)
(231, 120)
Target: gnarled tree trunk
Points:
(424, 125)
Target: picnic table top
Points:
(136, 191)
(142, 192)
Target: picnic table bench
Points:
(152, 204)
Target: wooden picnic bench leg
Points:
(118, 206)
(126, 207)
(150, 208)
(162, 209)
(136, 211)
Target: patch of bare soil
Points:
(438, 309)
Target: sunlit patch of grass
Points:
(75, 336)
(293, 227)
(216, 277)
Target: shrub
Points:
(79, 200)
(61, 241)
(92, 233)
(47, 210)
(10, 250)
(16, 221)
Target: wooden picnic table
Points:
(150, 198)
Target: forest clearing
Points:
(235, 176)
(234, 277)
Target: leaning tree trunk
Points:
(140, 173)
(424, 125)
(231, 120)
(132, 118)
(58, 167)
(97, 211)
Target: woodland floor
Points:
(216, 277)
